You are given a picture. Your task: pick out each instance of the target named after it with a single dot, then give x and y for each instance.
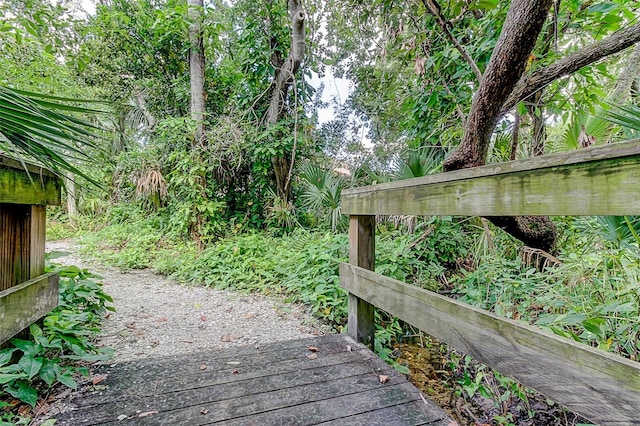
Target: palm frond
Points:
(625, 116)
(41, 128)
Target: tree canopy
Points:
(474, 81)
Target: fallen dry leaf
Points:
(312, 356)
(203, 318)
(312, 348)
(383, 378)
(24, 410)
(121, 417)
(249, 316)
(162, 319)
(203, 367)
(234, 371)
(188, 341)
(148, 413)
(97, 379)
(204, 411)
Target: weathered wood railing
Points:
(26, 293)
(604, 180)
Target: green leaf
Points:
(29, 348)
(6, 378)
(48, 372)
(6, 355)
(35, 331)
(401, 368)
(596, 326)
(24, 392)
(67, 380)
(31, 365)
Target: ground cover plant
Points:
(57, 350)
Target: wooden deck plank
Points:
(411, 413)
(339, 407)
(178, 366)
(257, 404)
(209, 378)
(288, 388)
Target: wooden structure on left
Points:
(26, 292)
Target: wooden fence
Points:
(604, 180)
(26, 293)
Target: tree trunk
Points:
(622, 89)
(506, 66)
(72, 200)
(196, 66)
(284, 77)
(196, 74)
(539, 135)
(515, 137)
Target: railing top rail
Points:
(13, 163)
(602, 180)
(565, 158)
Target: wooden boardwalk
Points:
(325, 380)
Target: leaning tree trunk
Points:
(284, 77)
(506, 66)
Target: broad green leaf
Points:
(35, 331)
(6, 355)
(596, 326)
(48, 372)
(6, 378)
(67, 380)
(31, 365)
(24, 392)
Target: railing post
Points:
(361, 325)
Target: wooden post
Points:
(361, 326)
(26, 294)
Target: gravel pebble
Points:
(156, 316)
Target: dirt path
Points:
(156, 316)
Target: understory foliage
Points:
(57, 349)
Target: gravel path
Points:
(156, 316)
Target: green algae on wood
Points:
(27, 184)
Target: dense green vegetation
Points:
(248, 197)
(58, 349)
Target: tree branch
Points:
(571, 63)
(434, 8)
